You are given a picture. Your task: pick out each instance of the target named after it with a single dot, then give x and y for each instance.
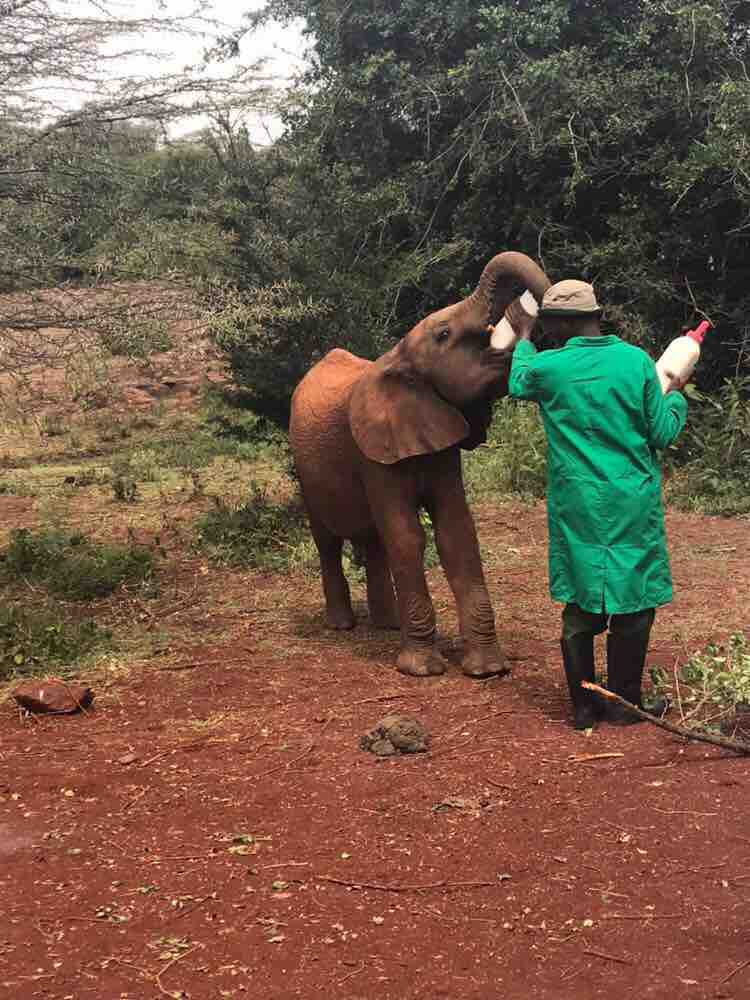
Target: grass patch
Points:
(262, 533)
(32, 641)
(514, 459)
(223, 429)
(71, 566)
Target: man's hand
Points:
(520, 320)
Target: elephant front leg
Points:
(456, 540)
(392, 496)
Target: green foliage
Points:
(270, 338)
(713, 682)
(226, 427)
(131, 336)
(711, 461)
(31, 642)
(261, 533)
(72, 567)
(514, 459)
(608, 139)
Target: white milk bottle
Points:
(678, 361)
(504, 337)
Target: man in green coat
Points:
(605, 418)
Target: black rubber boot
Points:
(626, 658)
(578, 660)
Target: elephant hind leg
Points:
(381, 597)
(339, 614)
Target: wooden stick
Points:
(585, 758)
(740, 967)
(736, 746)
(606, 957)
(404, 888)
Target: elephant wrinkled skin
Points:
(374, 442)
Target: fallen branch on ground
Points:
(737, 746)
(405, 888)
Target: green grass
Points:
(70, 566)
(33, 641)
(261, 533)
(514, 459)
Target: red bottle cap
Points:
(699, 332)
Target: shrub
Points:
(514, 459)
(262, 533)
(229, 416)
(713, 683)
(31, 641)
(710, 464)
(271, 336)
(130, 336)
(72, 567)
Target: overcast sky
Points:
(282, 47)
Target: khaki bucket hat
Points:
(570, 298)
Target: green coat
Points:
(605, 417)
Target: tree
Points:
(77, 133)
(608, 139)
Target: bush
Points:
(229, 416)
(72, 567)
(710, 464)
(271, 336)
(261, 534)
(713, 683)
(514, 459)
(30, 642)
(129, 336)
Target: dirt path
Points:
(215, 831)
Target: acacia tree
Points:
(76, 127)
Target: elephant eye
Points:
(442, 335)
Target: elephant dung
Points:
(53, 696)
(396, 734)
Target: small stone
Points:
(128, 758)
(53, 696)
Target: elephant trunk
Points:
(499, 285)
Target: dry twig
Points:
(689, 734)
(404, 888)
(740, 967)
(606, 957)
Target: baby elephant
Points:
(374, 442)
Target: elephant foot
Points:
(341, 619)
(485, 662)
(420, 661)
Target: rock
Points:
(53, 695)
(395, 734)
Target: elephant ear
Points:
(394, 414)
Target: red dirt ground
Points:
(215, 831)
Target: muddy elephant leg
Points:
(456, 540)
(381, 599)
(392, 494)
(339, 612)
